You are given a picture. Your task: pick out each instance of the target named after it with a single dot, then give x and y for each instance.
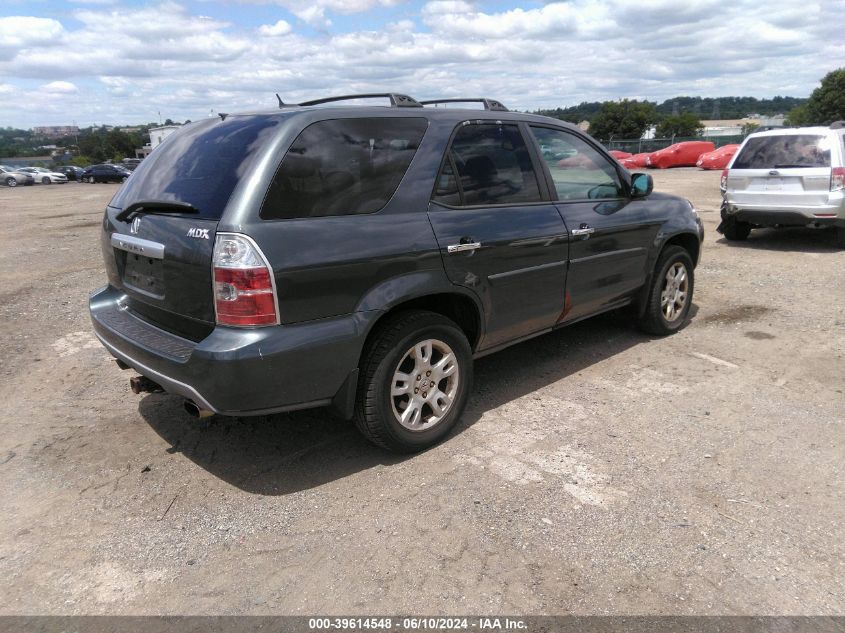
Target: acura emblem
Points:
(136, 224)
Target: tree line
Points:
(681, 116)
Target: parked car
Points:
(131, 163)
(636, 161)
(791, 177)
(360, 257)
(45, 176)
(12, 177)
(683, 154)
(105, 173)
(71, 171)
(717, 159)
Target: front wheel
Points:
(670, 296)
(414, 383)
(11, 182)
(46, 181)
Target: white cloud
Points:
(164, 56)
(59, 87)
(273, 30)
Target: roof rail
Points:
(396, 100)
(489, 104)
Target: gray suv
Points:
(359, 257)
(791, 177)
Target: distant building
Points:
(157, 135)
(55, 131)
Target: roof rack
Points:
(489, 104)
(396, 100)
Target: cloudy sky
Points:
(124, 61)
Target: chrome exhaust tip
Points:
(195, 411)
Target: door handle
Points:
(585, 231)
(468, 246)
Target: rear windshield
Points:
(343, 167)
(199, 164)
(781, 152)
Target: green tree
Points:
(827, 103)
(798, 116)
(623, 119)
(685, 124)
(748, 128)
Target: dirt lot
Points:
(597, 470)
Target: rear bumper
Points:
(236, 371)
(769, 215)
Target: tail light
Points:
(723, 183)
(244, 290)
(837, 178)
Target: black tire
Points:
(653, 319)
(385, 353)
(840, 236)
(46, 181)
(11, 182)
(736, 231)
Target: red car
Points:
(717, 159)
(619, 154)
(635, 161)
(679, 155)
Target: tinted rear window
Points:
(200, 164)
(781, 152)
(343, 167)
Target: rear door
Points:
(785, 170)
(610, 234)
(161, 256)
(498, 233)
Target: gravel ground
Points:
(596, 471)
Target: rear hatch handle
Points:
(155, 206)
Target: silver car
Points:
(790, 177)
(11, 177)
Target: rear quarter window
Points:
(782, 152)
(343, 167)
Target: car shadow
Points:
(291, 452)
(788, 239)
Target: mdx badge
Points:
(200, 233)
(136, 224)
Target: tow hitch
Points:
(142, 384)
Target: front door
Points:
(497, 234)
(610, 234)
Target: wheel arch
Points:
(690, 242)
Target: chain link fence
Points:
(640, 145)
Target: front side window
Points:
(578, 170)
(782, 152)
(343, 167)
(487, 164)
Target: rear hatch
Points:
(159, 230)
(788, 170)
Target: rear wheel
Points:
(415, 379)
(670, 296)
(840, 236)
(11, 182)
(736, 231)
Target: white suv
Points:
(791, 177)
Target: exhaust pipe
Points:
(194, 410)
(142, 384)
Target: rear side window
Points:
(487, 164)
(781, 152)
(200, 164)
(343, 167)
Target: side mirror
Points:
(641, 185)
